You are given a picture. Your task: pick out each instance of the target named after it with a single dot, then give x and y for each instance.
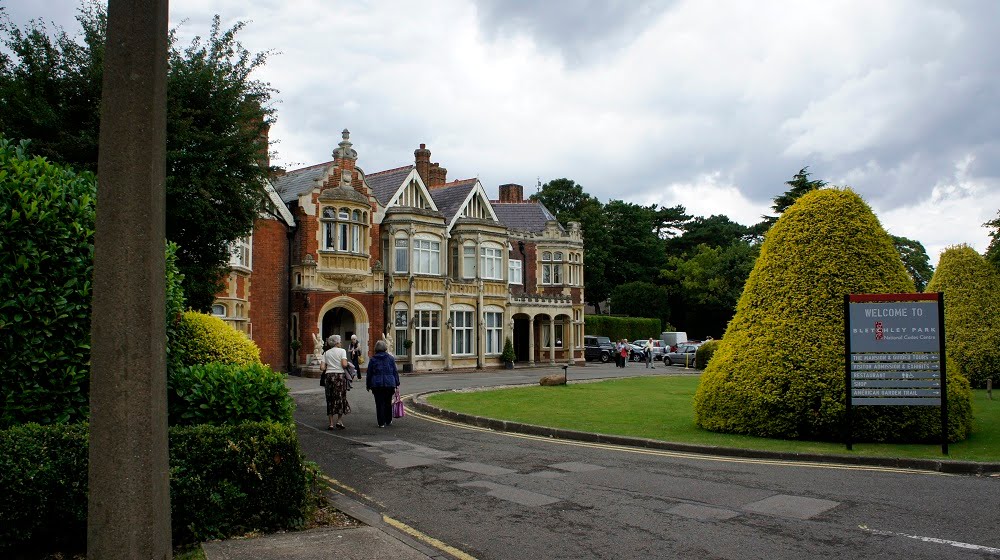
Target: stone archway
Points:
(345, 316)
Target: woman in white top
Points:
(334, 365)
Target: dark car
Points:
(637, 352)
(598, 348)
(683, 356)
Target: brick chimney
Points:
(438, 176)
(422, 156)
(262, 148)
(511, 193)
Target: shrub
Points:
(202, 339)
(779, 369)
(508, 354)
(227, 480)
(43, 481)
(617, 328)
(224, 481)
(228, 394)
(971, 289)
(705, 352)
(46, 265)
(175, 306)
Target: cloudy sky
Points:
(709, 104)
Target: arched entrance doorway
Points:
(339, 321)
(519, 337)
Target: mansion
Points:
(445, 274)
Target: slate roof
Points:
(292, 184)
(450, 196)
(523, 216)
(385, 183)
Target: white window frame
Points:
(462, 331)
(491, 261)
(426, 255)
(514, 275)
(427, 331)
(469, 261)
(401, 255)
(241, 252)
(494, 331)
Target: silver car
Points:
(658, 347)
(684, 356)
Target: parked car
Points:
(683, 356)
(598, 348)
(658, 347)
(636, 352)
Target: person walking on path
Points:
(354, 354)
(649, 353)
(382, 380)
(334, 365)
(624, 352)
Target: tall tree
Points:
(915, 259)
(50, 93)
(635, 249)
(713, 231)
(641, 299)
(993, 251)
(799, 185)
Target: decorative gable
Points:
(412, 193)
(476, 205)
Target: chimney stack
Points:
(438, 176)
(511, 193)
(422, 157)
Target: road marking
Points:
(428, 539)
(338, 484)
(975, 547)
(676, 454)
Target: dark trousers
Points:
(383, 404)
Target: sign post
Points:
(894, 354)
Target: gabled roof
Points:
(450, 196)
(279, 205)
(384, 184)
(524, 216)
(294, 183)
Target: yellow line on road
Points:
(338, 484)
(677, 454)
(427, 539)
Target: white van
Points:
(672, 339)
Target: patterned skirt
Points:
(336, 396)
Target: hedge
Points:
(224, 481)
(971, 289)
(202, 338)
(46, 267)
(227, 394)
(779, 369)
(705, 352)
(617, 328)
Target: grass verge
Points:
(660, 408)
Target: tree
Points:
(635, 250)
(779, 371)
(564, 198)
(993, 251)
(707, 285)
(641, 299)
(799, 185)
(915, 259)
(714, 231)
(971, 313)
(216, 117)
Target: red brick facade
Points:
(269, 309)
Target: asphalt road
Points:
(497, 495)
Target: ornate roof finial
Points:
(345, 150)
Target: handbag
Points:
(397, 406)
(322, 379)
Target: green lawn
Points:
(660, 408)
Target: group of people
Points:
(623, 350)
(340, 367)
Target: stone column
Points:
(569, 341)
(552, 340)
(531, 340)
(129, 496)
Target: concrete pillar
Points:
(552, 340)
(569, 342)
(129, 495)
(531, 340)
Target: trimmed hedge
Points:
(971, 289)
(617, 328)
(202, 338)
(705, 352)
(46, 266)
(224, 481)
(779, 370)
(227, 394)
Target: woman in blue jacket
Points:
(382, 380)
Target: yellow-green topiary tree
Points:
(779, 370)
(203, 339)
(971, 289)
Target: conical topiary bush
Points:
(971, 289)
(779, 371)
